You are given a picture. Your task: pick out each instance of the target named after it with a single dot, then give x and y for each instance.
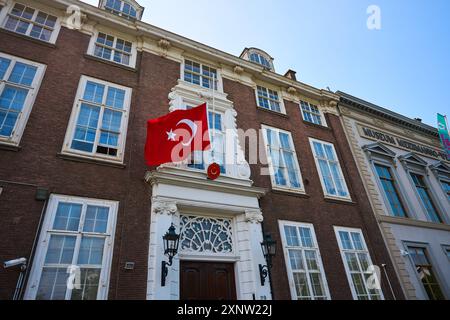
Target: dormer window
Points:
(125, 8)
(258, 56)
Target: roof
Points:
(385, 113)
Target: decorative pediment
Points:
(414, 159)
(440, 167)
(379, 149)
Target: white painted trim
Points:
(42, 245)
(202, 64)
(281, 224)
(93, 40)
(66, 149)
(271, 169)
(321, 114)
(280, 98)
(326, 194)
(347, 271)
(38, 8)
(33, 90)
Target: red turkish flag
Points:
(172, 138)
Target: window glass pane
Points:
(305, 234)
(364, 261)
(94, 92)
(11, 104)
(4, 64)
(291, 236)
(311, 260)
(316, 282)
(22, 74)
(357, 242)
(359, 286)
(91, 251)
(115, 98)
(67, 216)
(352, 262)
(60, 249)
(295, 257)
(89, 285)
(86, 128)
(292, 169)
(338, 179)
(345, 240)
(96, 219)
(301, 284)
(327, 177)
(53, 284)
(319, 150)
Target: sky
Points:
(403, 66)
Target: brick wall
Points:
(312, 208)
(37, 163)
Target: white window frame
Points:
(320, 114)
(44, 237)
(123, 14)
(260, 59)
(280, 99)
(133, 53)
(74, 117)
(5, 12)
(344, 261)
(275, 186)
(282, 224)
(326, 194)
(33, 90)
(219, 82)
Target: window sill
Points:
(316, 125)
(290, 192)
(114, 64)
(83, 159)
(9, 147)
(25, 37)
(272, 112)
(340, 200)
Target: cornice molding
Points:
(188, 178)
(153, 33)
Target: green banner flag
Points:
(443, 134)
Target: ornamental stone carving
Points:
(164, 207)
(238, 70)
(164, 44)
(254, 216)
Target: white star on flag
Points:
(171, 135)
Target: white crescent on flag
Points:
(193, 127)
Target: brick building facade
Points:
(74, 191)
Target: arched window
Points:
(258, 56)
(123, 8)
(260, 59)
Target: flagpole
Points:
(214, 117)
